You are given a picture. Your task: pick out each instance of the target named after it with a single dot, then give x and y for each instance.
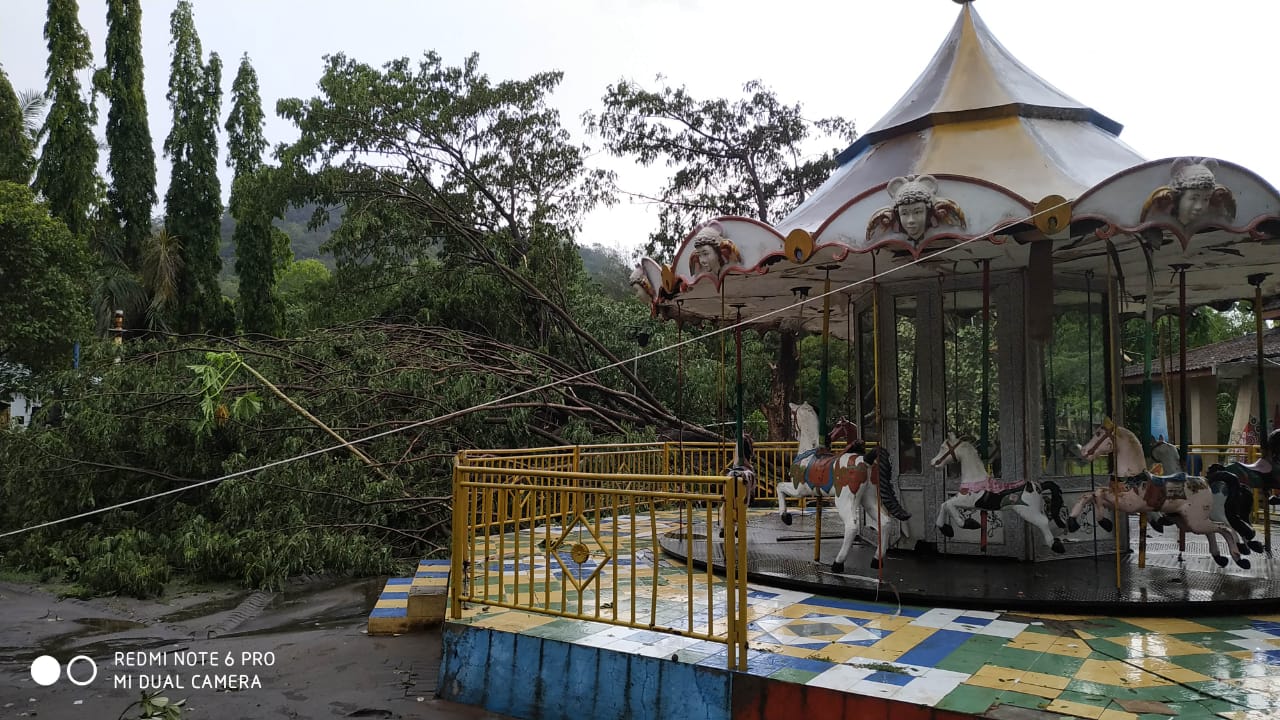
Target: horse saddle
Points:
(818, 472)
(1160, 489)
(995, 500)
(1261, 466)
(1258, 474)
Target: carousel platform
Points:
(1171, 583)
(823, 655)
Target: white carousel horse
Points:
(980, 491)
(857, 481)
(1194, 505)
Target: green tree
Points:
(255, 239)
(431, 158)
(43, 280)
(748, 157)
(306, 292)
(16, 151)
(132, 160)
(193, 202)
(67, 175)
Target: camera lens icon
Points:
(45, 670)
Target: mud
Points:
(302, 653)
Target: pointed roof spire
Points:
(973, 77)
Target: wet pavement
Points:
(302, 653)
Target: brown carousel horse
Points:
(1193, 504)
(857, 481)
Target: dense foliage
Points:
(44, 272)
(193, 204)
(67, 174)
(131, 161)
(257, 242)
(123, 431)
(16, 159)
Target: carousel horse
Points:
(1263, 473)
(1239, 506)
(1197, 506)
(980, 491)
(1064, 454)
(856, 480)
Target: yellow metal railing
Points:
(532, 531)
(1224, 454)
(771, 462)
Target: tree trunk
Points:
(786, 372)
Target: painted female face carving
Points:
(706, 258)
(1193, 203)
(914, 219)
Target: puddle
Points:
(315, 607)
(103, 626)
(208, 607)
(99, 650)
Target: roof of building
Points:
(1207, 357)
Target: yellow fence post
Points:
(459, 528)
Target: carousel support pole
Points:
(1093, 486)
(724, 380)
(737, 342)
(825, 373)
(1117, 402)
(984, 432)
(740, 524)
(1256, 281)
(1148, 350)
(850, 376)
(824, 380)
(875, 350)
(1184, 402)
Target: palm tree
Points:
(161, 266)
(33, 104)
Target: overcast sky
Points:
(1184, 77)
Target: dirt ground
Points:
(302, 653)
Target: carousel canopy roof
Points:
(977, 111)
(979, 162)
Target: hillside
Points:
(605, 265)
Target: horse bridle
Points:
(1097, 440)
(951, 451)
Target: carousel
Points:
(975, 256)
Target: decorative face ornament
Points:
(915, 209)
(1192, 195)
(641, 285)
(712, 250)
(914, 219)
(706, 255)
(1194, 183)
(912, 200)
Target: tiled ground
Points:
(961, 660)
